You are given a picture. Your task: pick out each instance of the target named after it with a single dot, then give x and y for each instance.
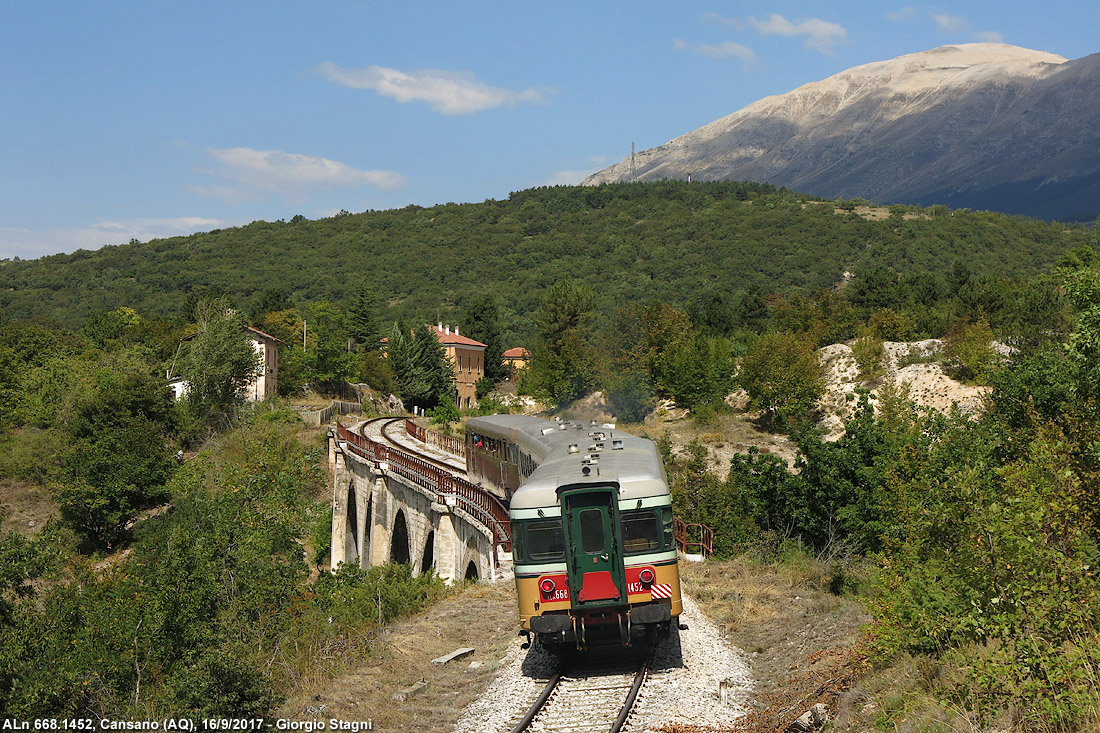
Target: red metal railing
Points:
(685, 534)
(446, 443)
(448, 489)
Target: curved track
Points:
(381, 429)
(598, 696)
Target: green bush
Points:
(782, 375)
(222, 683)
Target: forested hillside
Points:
(971, 539)
(668, 241)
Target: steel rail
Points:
(639, 680)
(554, 684)
(539, 703)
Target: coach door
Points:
(595, 565)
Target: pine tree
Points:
(423, 374)
(563, 365)
(482, 322)
(363, 326)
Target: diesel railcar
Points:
(592, 528)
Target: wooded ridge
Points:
(669, 241)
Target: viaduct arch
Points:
(383, 512)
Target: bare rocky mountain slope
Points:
(982, 125)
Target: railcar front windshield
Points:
(545, 541)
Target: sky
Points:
(128, 120)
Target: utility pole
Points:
(633, 170)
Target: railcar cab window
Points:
(641, 531)
(545, 541)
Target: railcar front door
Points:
(595, 566)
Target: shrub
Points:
(782, 375)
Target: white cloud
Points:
(31, 244)
(905, 14)
(256, 173)
(821, 35)
(716, 18)
(989, 37)
(950, 23)
(726, 50)
(448, 92)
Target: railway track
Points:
(381, 428)
(598, 697)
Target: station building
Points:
(468, 357)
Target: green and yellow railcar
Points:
(592, 528)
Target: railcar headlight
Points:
(546, 585)
(646, 577)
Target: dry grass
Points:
(803, 644)
(724, 435)
(481, 616)
(26, 507)
(779, 614)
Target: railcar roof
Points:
(636, 467)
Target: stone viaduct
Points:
(389, 506)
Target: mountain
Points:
(981, 126)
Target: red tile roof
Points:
(452, 338)
(517, 353)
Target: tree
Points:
(627, 381)
(219, 361)
(423, 374)
(482, 322)
(362, 319)
(782, 375)
(697, 371)
(106, 326)
(969, 351)
(563, 365)
(715, 317)
(326, 357)
(118, 458)
(9, 386)
(751, 312)
(271, 300)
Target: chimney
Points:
(456, 329)
(441, 326)
(448, 331)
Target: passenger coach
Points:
(592, 528)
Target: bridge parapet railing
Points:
(693, 538)
(446, 443)
(449, 489)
